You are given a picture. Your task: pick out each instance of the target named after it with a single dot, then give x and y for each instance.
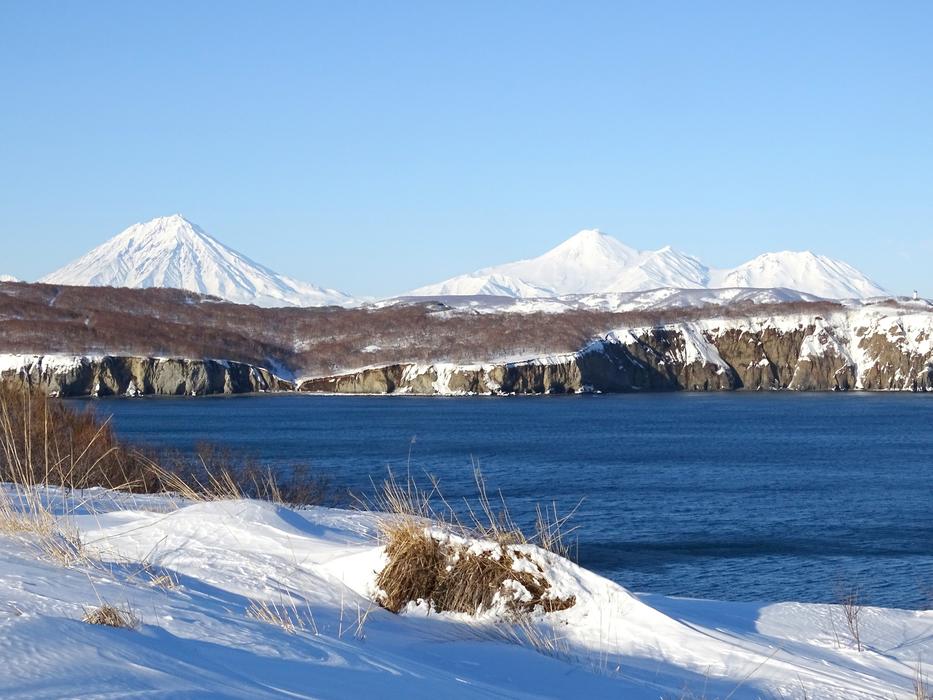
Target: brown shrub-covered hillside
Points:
(40, 319)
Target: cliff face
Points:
(859, 349)
(137, 376)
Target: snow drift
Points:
(195, 573)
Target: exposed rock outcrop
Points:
(861, 349)
(138, 376)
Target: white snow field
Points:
(173, 252)
(8, 278)
(197, 639)
(592, 262)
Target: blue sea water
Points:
(744, 496)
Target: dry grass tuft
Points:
(64, 546)
(164, 581)
(468, 568)
(111, 616)
(24, 514)
(285, 615)
(453, 575)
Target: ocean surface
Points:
(760, 497)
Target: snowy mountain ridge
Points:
(173, 252)
(592, 262)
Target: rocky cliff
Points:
(885, 346)
(137, 376)
(863, 348)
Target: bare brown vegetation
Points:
(455, 567)
(36, 319)
(45, 442)
(112, 616)
(851, 603)
(453, 576)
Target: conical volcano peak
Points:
(171, 251)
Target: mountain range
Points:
(174, 252)
(592, 262)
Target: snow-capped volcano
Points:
(592, 262)
(173, 252)
(803, 271)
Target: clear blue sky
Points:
(379, 146)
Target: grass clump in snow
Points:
(111, 616)
(454, 574)
(490, 564)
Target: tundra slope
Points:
(876, 347)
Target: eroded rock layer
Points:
(137, 376)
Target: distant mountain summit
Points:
(8, 278)
(173, 252)
(803, 271)
(592, 262)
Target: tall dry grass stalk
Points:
(486, 518)
(45, 442)
(922, 688)
(285, 615)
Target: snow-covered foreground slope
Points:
(196, 639)
(592, 262)
(173, 252)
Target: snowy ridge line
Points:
(197, 637)
(592, 262)
(660, 299)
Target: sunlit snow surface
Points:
(173, 252)
(196, 639)
(592, 262)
